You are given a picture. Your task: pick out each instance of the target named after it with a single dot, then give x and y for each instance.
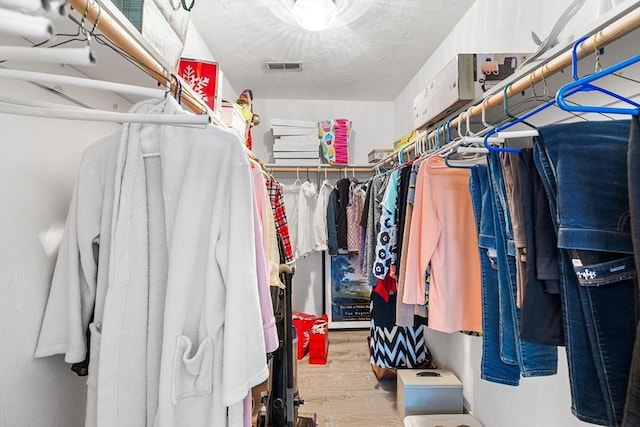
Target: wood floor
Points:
(344, 392)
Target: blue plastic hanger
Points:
(515, 122)
(400, 156)
(447, 127)
(438, 144)
(584, 85)
(518, 120)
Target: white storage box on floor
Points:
(442, 420)
(428, 391)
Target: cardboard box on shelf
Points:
(378, 154)
(462, 80)
(492, 68)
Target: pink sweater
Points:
(259, 212)
(443, 233)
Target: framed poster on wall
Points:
(203, 77)
(347, 293)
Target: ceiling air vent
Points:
(284, 65)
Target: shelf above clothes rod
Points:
(622, 26)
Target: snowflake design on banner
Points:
(198, 84)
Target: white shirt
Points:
(320, 217)
(290, 196)
(307, 200)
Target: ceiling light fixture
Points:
(314, 15)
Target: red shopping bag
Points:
(319, 341)
(303, 323)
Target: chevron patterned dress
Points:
(394, 346)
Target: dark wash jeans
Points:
(584, 169)
(492, 368)
(632, 408)
(533, 359)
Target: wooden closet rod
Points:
(114, 31)
(319, 168)
(612, 32)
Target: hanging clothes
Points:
(212, 308)
(401, 215)
(290, 198)
(307, 201)
(493, 367)
(541, 311)
(406, 313)
(332, 227)
(386, 234)
(512, 176)
(632, 406)
(391, 346)
(273, 239)
(276, 193)
(531, 358)
(354, 213)
(320, 216)
(341, 212)
(443, 233)
(78, 287)
(263, 221)
(597, 265)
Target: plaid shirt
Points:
(280, 215)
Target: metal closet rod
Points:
(612, 32)
(112, 30)
(319, 168)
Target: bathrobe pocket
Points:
(95, 332)
(192, 375)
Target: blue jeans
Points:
(632, 408)
(493, 368)
(583, 168)
(533, 359)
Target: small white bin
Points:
(442, 420)
(436, 392)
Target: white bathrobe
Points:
(78, 283)
(212, 348)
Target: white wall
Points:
(536, 402)
(38, 163)
(372, 123)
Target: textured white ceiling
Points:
(371, 52)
